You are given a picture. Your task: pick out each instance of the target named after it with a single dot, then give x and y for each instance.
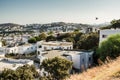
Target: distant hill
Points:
(9, 25)
(102, 24)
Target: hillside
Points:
(108, 71)
(9, 25)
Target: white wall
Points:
(21, 49)
(53, 45)
(76, 61)
(11, 49)
(0, 44)
(2, 52)
(104, 34)
(27, 49)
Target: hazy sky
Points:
(46, 11)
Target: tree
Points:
(43, 36)
(32, 40)
(50, 33)
(110, 47)
(25, 72)
(3, 43)
(37, 38)
(66, 35)
(51, 38)
(69, 39)
(88, 41)
(115, 23)
(8, 74)
(106, 27)
(76, 39)
(76, 31)
(57, 68)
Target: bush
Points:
(32, 40)
(57, 67)
(37, 38)
(110, 47)
(43, 36)
(63, 36)
(51, 38)
(25, 72)
(88, 41)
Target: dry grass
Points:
(103, 72)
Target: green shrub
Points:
(32, 40)
(57, 67)
(110, 47)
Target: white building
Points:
(2, 52)
(52, 45)
(55, 29)
(13, 49)
(27, 48)
(0, 44)
(23, 49)
(104, 34)
(80, 59)
(13, 63)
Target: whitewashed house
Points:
(55, 29)
(2, 52)
(27, 48)
(23, 49)
(12, 49)
(80, 59)
(25, 37)
(13, 63)
(52, 45)
(104, 34)
(0, 44)
(9, 40)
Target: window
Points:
(52, 48)
(70, 48)
(83, 60)
(12, 51)
(104, 36)
(45, 48)
(38, 52)
(40, 46)
(89, 58)
(67, 47)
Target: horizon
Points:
(58, 22)
(49, 11)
